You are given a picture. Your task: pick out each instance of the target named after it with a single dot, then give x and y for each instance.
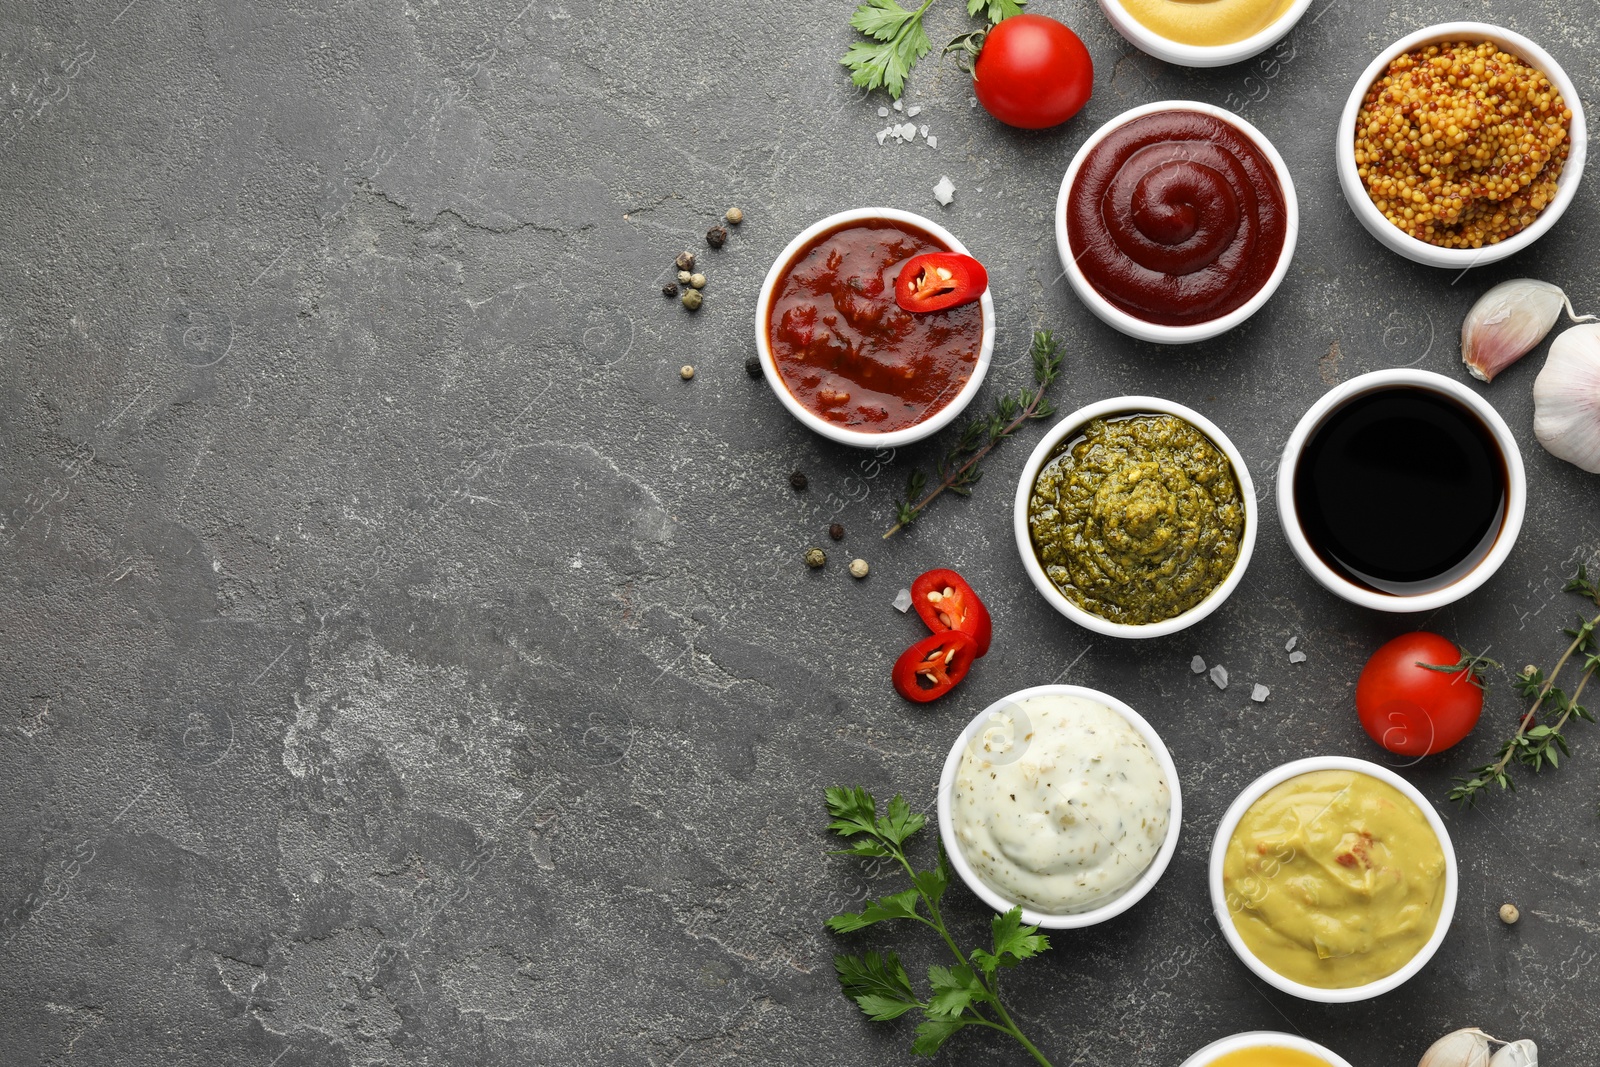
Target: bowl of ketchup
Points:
(843, 357)
(1176, 221)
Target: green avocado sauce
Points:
(1137, 519)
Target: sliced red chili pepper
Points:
(935, 281)
(946, 602)
(931, 668)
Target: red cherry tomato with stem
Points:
(933, 666)
(935, 281)
(1032, 72)
(945, 601)
(1420, 694)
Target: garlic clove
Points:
(1566, 399)
(1507, 322)
(1522, 1053)
(1463, 1048)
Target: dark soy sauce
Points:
(1401, 490)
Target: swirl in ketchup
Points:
(1177, 218)
(847, 352)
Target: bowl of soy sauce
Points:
(1401, 490)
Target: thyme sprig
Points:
(960, 470)
(1539, 739)
(967, 994)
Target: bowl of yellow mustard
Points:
(1265, 1048)
(1333, 879)
(1204, 33)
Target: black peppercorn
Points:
(685, 261)
(670, 289)
(752, 366)
(716, 236)
(836, 531)
(798, 481)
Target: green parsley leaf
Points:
(933, 883)
(899, 906)
(898, 41)
(932, 1033)
(953, 989)
(878, 984)
(854, 811)
(900, 822)
(997, 9)
(1011, 938)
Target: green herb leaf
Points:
(997, 9)
(900, 906)
(878, 984)
(1011, 938)
(933, 1033)
(953, 989)
(932, 884)
(854, 811)
(898, 41)
(900, 822)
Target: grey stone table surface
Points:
(401, 664)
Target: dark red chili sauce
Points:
(847, 351)
(1177, 218)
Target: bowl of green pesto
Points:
(1135, 517)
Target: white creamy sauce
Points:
(1059, 804)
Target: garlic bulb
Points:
(1522, 1053)
(1566, 399)
(1508, 321)
(1464, 1048)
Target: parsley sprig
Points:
(1539, 741)
(896, 40)
(967, 994)
(959, 471)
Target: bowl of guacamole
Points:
(1135, 517)
(1333, 879)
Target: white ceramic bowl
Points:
(1117, 905)
(1068, 428)
(1420, 251)
(858, 438)
(1149, 331)
(1219, 902)
(1192, 55)
(1262, 1039)
(1516, 491)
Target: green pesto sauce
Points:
(1137, 519)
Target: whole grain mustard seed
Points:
(1461, 144)
(686, 372)
(692, 299)
(815, 557)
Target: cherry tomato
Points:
(938, 280)
(1032, 72)
(1412, 710)
(931, 668)
(946, 602)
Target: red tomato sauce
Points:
(847, 351)
(1177, 218)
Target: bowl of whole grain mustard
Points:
(1135, 517)
(1461, 144)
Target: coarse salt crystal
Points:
(908, 131)
(1297, 657)
(924, 131)
(882, 136)
(913, 112)
(972, 101)
(1260, 693)
(898, 106)
(933, 142)
(883, 112)
(1197, 665)
(1219, 676)
(1290, 646)
(945, 191)
(902, 601)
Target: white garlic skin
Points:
(1506, 323)
(1522, 1053)
(1566, 399)
(1463, 1048)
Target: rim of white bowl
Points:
(1114, 316)
(858, 438)
(1262, 1039)
(1219, 903)
(1375, 381)
(1414, 248)
(1112, 908)
(1066, 428)
(1193, 55)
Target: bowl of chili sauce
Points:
(843, 357)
